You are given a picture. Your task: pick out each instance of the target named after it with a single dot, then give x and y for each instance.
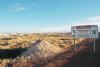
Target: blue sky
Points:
(46, 15)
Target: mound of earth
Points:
(42, 49)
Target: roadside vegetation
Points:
(13, 47)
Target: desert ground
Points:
(47, 50)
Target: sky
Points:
(47, 15)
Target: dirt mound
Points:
(42, 49)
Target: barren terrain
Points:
(47, 50)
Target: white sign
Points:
(85, 31)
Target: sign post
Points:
(74, 35)
(94, 46)
(85, 31)
(74, 45)
(94, 33)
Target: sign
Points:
(85, 31)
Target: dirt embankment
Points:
(42, 49)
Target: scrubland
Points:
(42, 49)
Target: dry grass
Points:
(58, 41)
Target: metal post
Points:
(94, 32)
(94, 46)
(74, 45)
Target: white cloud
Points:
(89, 21)
(18, 7)
(58, 29)
(96, 18)
(22, 7)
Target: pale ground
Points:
(42, 49)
